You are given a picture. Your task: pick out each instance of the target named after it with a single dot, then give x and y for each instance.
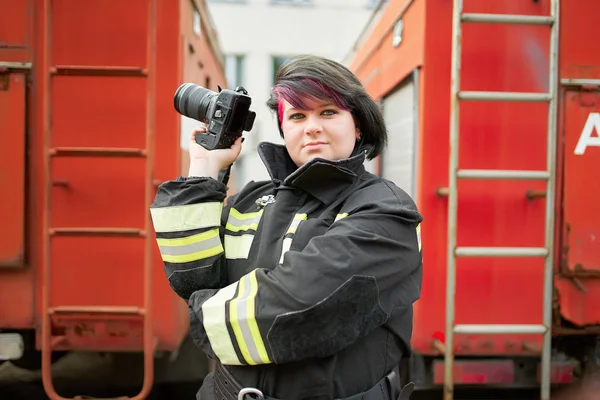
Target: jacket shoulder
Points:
(380, 193)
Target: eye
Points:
(296, 116)
(329, 112)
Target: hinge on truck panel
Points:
(6, 67)
(4, 78)
(588, 95)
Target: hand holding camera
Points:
(205, 162)
(226, 115)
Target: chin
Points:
(319, 155)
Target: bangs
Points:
(296, 92)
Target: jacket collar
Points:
(324, 179)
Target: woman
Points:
(301, 287)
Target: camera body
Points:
(226, 113)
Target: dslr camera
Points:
(226, 113)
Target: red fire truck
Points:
(86, 91)
(493, 110)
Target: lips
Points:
(314, 144)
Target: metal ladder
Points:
(454, 174)
(48, 342)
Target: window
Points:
(401, 114)
(277, 62)
(234, 70)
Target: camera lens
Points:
(193, 101)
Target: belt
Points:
(389, 388)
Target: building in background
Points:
(258, 35)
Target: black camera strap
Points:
(224, 175)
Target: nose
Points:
(313, 125)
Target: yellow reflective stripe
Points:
(287, 242)
(243, 322)
(419, 236)
(235, 324)
(244, 216)
(295, 222)
(191, 248)
(340, 216)
(243, 222)
(237, 247)
(215, 325)
(188, 217)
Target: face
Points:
(323, 131)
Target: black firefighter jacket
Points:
(301, 286)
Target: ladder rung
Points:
(96, 310)
(98, 70)
(579, 82)
(503, 96)
(507, 19)
(96, 152)
(500, 329)
(501, 252)
(15, 65)
(135, 232)
(502, 174)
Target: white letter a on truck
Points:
(586, 139)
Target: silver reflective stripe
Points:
(287, 243)
(215, 325)
(239, 312)
(237, 247)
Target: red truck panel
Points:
(16, 30)
(579, 57)
(582, 183)
(578, 283)
(493, 135)
(16, 283)
(12, 168)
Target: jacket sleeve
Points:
(188, 216)
(337, 289)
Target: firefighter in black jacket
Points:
(300, 287)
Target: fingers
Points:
(237, 145)
(234, 150)
(196, 131)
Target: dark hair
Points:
(319, 78)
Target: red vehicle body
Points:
(88, 132)
(409, 45)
